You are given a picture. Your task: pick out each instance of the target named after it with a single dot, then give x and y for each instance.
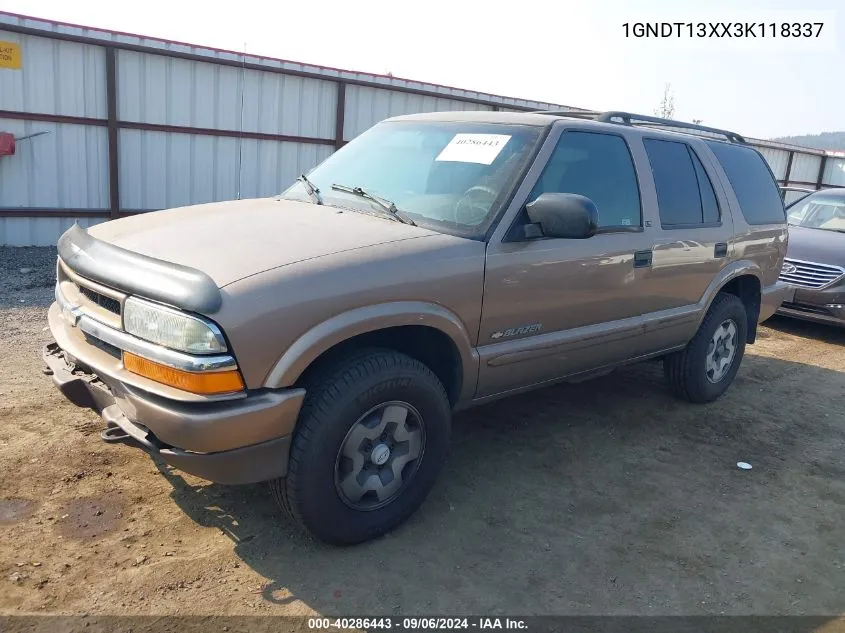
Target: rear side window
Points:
(685, 194)
(753, 183)
(598, 166)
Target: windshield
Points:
(819, 211)
(452, 177)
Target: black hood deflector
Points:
(133, 273)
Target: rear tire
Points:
(707, 366)
(365, 416)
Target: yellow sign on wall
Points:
(10, 55)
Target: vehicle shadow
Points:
(807, 329)
(604, 497)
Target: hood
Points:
(816, 245)
(232, 240)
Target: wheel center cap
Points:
(380, 454)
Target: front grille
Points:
(809, 274)
(107, 303)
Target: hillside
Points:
(825, 140)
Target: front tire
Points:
(372, 437)
(707, 366)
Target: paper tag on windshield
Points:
(474, 148)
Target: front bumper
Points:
(832, 315)
(820, 306)
(229, 442)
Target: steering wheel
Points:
(474, 205)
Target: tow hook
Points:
(114, 434)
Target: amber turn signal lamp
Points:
(205, 383)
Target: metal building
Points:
(120, 124)
(803, 167)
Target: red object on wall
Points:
(7, 144)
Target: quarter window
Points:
(597, 166)
(752, 181)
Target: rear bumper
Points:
(771, 297)
(229, 442)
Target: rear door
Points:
(759, 216)
(690, 240)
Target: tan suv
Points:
(321, 339)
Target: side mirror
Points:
(565, 215)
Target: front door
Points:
(557, 307)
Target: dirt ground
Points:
(606, 497)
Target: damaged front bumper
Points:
(231, 436)
(208, 438)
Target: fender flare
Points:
(728, 274)
(339, 328)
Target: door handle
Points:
(720, 250)
(642, 259)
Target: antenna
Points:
(241, 127)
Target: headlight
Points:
(171, 328)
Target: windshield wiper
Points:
(311, 189)
(384, 203)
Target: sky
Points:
(570, 52)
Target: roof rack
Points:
(578, 114)
(627, 118)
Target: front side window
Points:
(598, 166)
(819, 211)
(452, 177)
(685, 195)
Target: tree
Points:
(697, 121)
(666, 109)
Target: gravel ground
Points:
(27, 276)
(606, 497)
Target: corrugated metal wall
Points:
(38, 231)
(63, 169)
(834, 172)
(160, 170)
(164, 169)
(172, 91)
(57, 77)
(805, 168)
(778, 160)
(365, 106)
(176, 129)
